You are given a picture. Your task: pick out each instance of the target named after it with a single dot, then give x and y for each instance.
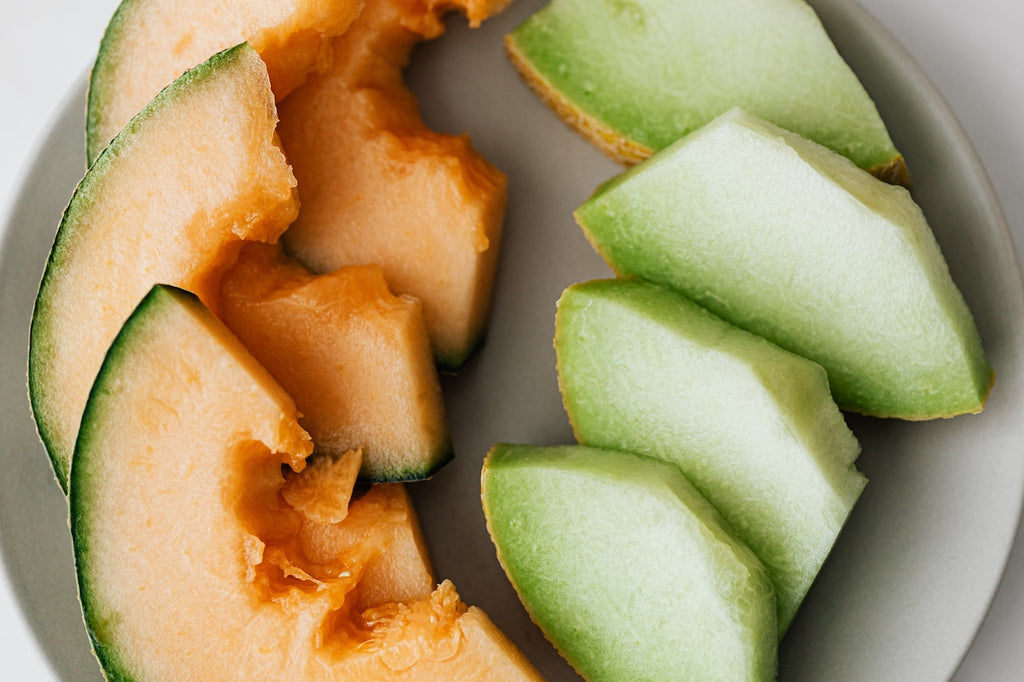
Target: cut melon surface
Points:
(628, 571)
(752, 426)
(149, 43)
(171, 199)
(378, 186)
(356, 358)
(186, 545)
(786, 239)
(634, 77)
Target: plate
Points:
(913, 573)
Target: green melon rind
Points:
(132, 342)
(752, 426)
(623, 69)
(42, 337)
(100, 76)
(408, 472)
(575, 528)
(872, 301)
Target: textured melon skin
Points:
(356, 359)
(149, 43)
(629, 572)
(784, 238)
(752, 426)
(142, 215)
(191, 562)
(634, 77)
(379, 186)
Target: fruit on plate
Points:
(194, 174)
(149, 43)
(355, 358)
(378, 186)
(634, 77)
(193, 564)
(752, 426)
(786, 239)
(629, 572)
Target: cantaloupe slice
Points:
(149, 43)
(171, 199)
(356, 359)
(378, 186)
(191, 562)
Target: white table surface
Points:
(972, 51)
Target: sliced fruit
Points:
(634, 77)
(356, 359)
(194, 174)
(179, 522)
(149, 43)
(378, 186)
(629, 572)
(791, 241)
(752, 426)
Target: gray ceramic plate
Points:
(910, 580)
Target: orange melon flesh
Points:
(356, 359)
(192, 564)
(378, 186)
(149, 43)
(194, 174)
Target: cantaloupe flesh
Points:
(378, 186)
(149, 43)
(171, 200)
(191, 563)
(356, 359)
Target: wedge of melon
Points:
(356, 359)
(149, 43)
(172, 198)
(191, 562)
(634, 77)
(629, 572)
(789, 240)
(378, 186)
(752, 426)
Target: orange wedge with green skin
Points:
(185, 512)
(149, 43)
(356, 358)
(378, 186)
(171, 201)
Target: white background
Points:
(972, 51)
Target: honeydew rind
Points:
(786, 239)
(753, 427)
(633, 77)
(594, 542)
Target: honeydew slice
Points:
(149, 43)
(752, 426)
(789, 240)
(170, 201)
(193, 563)
(634, 77)
(629, 572)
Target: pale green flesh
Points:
(792, 242)
(626, 569)
(654, 70)
(753, 427)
